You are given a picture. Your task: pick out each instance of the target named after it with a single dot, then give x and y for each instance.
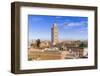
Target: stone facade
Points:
(54, 34)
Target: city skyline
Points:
(69, 27)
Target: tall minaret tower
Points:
(54, 34)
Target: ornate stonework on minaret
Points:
(54, 34)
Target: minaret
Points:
(54, 34)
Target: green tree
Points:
(82, 45)
(38, 42)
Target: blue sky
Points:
(69, 27)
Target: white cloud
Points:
(71, 24)
(76, 26)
